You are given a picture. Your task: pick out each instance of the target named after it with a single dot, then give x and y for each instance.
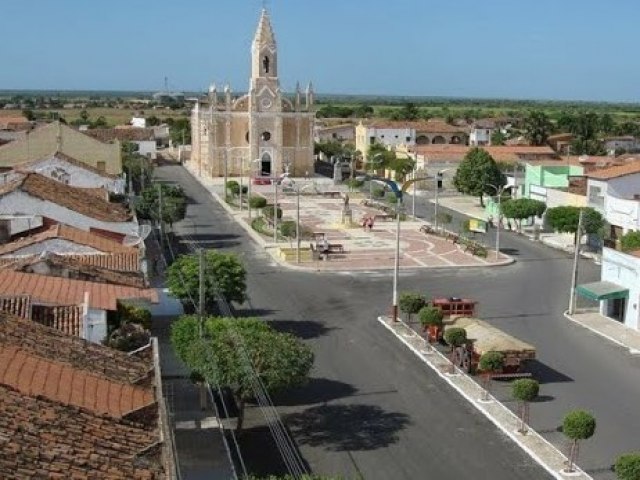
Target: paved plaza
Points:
(366, 249)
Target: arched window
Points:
(265, 63)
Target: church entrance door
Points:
(265, 165)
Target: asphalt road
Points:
(372, 408)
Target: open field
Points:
(113, 116)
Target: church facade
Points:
(262, 133)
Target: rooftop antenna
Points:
(166, 84)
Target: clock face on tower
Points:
(266, 103)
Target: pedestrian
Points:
(370, 223)
(365, 220)
(306, 175)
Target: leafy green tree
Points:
(627, 466)
(174, 203)
(233, 352)
(565, 219)
(489, 364)
(288, 229)
(454, 337)
(409, 111)
(498, 138)
(476, 174)
(233, 187)
(269, 210)
(224, 273)
(522, 208)
(630, 241)
(537, 127)
(29, 115)
(152, 121)
(180, 131)
(136, 165)
(525, 391)
(430, 316)
(577, 425)
(411, 303)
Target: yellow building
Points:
(58, 137)
(261, 133)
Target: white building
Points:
(480, 135)
(58, 203)
(335, 133)
(619, 289)
(625, 142)
(139, 122)
(69, 171)
(615, 193)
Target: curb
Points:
(631, 350)
(478, 405)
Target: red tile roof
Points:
(68, 266)
(18, 305)
(65, 291)
(617, 171)
(509, 153)
(72, 409)
(71, 234)
(66, 318)
(132, 134)
(61, 383)
(77, 199)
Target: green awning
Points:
(602, 291)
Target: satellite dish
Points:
(138, 235)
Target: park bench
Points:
(453, 237)
(262, 181)
(384, 216)
(336, 248)
(428, 229)
(331, 193)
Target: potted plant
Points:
(431, 320)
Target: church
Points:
(262, 133)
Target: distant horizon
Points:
(319, 95)
(549, 51)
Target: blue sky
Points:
(556, 49)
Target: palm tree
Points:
(537, 127)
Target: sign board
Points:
(476, 225)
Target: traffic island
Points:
(539, 449)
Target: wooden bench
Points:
(384, 216)
(427, 229)
(453, 237)
(331, 193)
(336, 248)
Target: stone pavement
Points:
(534, 444)
(363, 249)
(608, 328)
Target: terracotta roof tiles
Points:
(132, 134)
(617, 171)
(71, 234)
(77, 199)
(72, 409)
(66, 158)
(65, 291)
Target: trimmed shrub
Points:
(233, 187)
(354, 183)
(256, 201)
(627, 466)
(525, 389)
(268, 211)
(491, 362)
(579, 425)
(288, 229)
(377, 192)
(128, 313)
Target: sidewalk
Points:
(543, 452)
(608, 328)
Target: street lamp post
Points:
(396, 263)
(241, 179)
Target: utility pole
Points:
(275, 210)
(435, 204)
(396, 264)
(574, 272)
(297, 224)
(241, 183)
(160, 222)
(201, 291)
